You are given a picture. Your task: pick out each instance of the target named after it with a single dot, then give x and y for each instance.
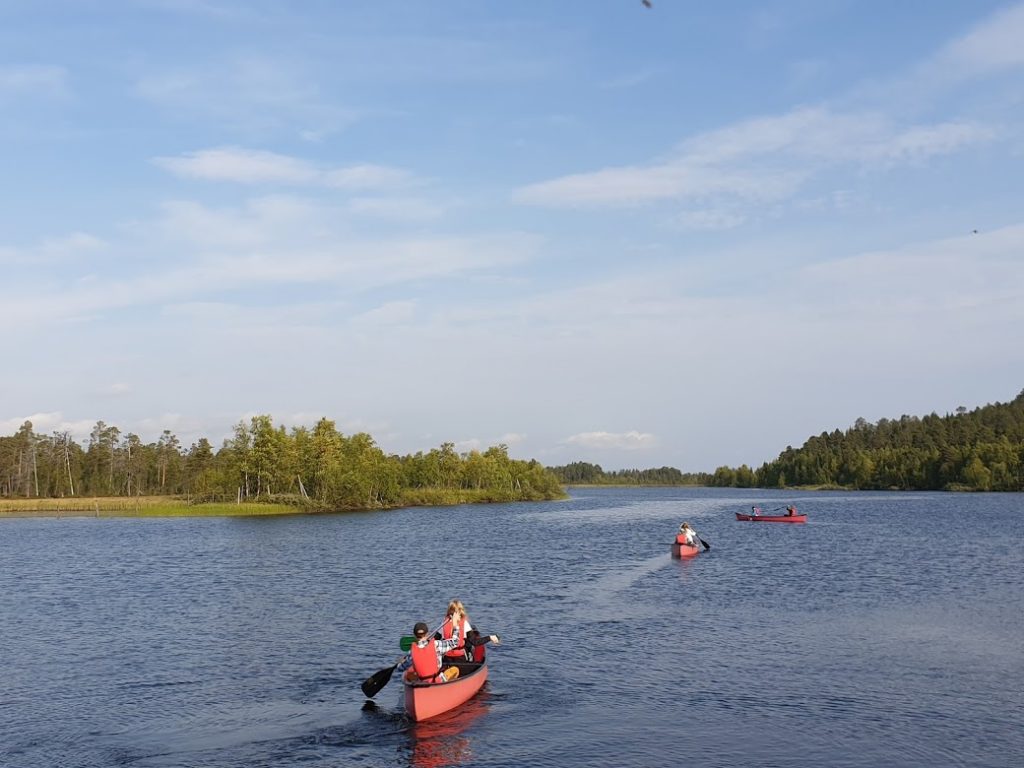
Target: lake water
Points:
(887, 631)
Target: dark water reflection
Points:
(885, 632)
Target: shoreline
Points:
(168, 506)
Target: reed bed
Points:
(135, 506)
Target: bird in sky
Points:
(647, 3)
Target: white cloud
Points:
(993, 45)
(52, 250)
(268, 242)
(252, 166)
(762, 160)
(626, 441)
(47, 423)
(478, 444)
(242, 165)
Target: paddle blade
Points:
(707, 547)
(406, 642)
(371, 686)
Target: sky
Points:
(688, 235)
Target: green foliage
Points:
(313, 470)
(582, 473)
(979, 450)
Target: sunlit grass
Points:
(135, 506)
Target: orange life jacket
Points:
(424, 660)
(446, 633)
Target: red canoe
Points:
(772, 518)
(684, 550)
(425, 700)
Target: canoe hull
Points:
(426, 700)
(683, 551)
(772, 518)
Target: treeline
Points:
(583, 473)
(979, 450)
(317, 468)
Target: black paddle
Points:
(371, 686)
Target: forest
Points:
(313, 469)
(978, 450)
(584, 473)
(319, 468)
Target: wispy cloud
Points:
(761, 160)
(276, 241)
(624, 441)
(46, 423)
(252, 95)
(253, 166)
(991, 46)
(53, 250)
(407, 209)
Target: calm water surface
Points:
(887, 631)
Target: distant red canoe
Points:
(684, 550)
(772, 518)
(426, 700)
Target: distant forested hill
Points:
(582, 473)
(979, 450)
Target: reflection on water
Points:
(237, 643)
(446, 740)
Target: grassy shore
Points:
(135, 506)
(176, 506)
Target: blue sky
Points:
(685, 235)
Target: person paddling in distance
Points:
(425, 660)
(790, 510)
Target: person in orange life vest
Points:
(465, 652)
(686, 535)
(790, 510)
(456, 607)
(425, 660)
